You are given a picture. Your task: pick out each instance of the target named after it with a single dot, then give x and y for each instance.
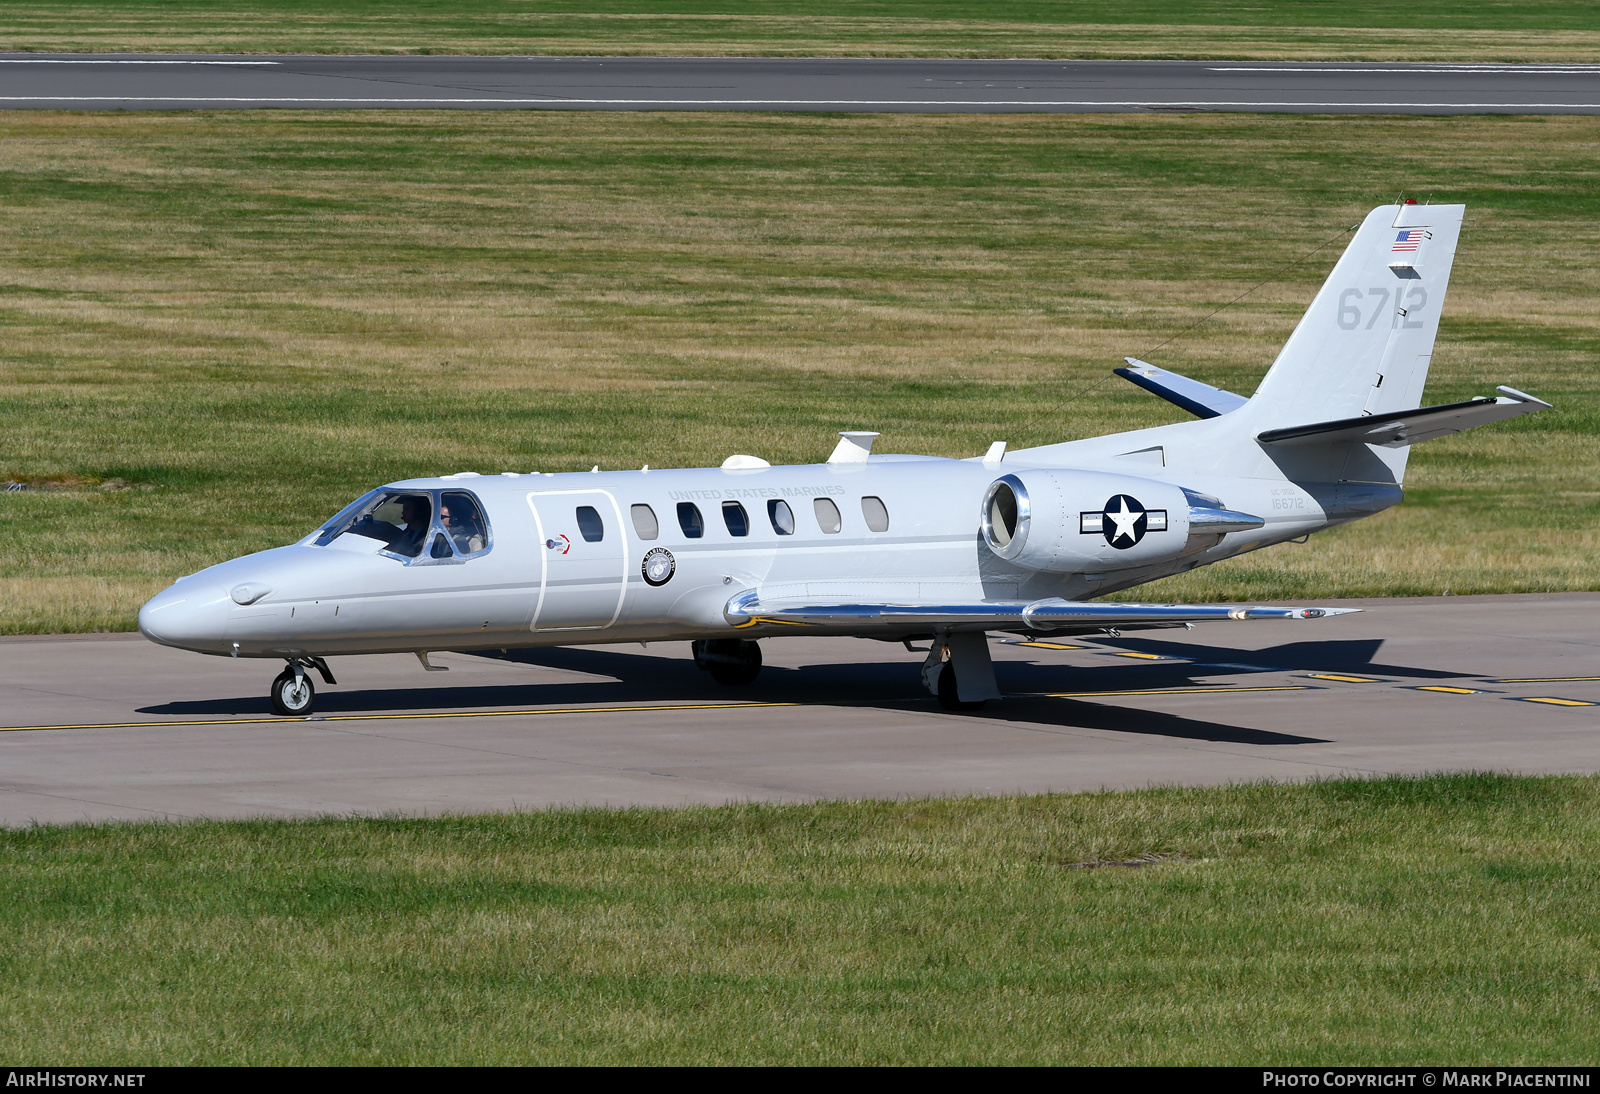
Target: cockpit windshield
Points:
(398, 519)
(408, 522)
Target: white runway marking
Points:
(1490, 69)
(96, 61)
(1150, 103)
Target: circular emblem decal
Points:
(1125, 521)
(658, 567)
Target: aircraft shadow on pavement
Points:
(644, 677)
(1353, 655)
(1076, 714)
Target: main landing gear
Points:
(292, 692)
(958, 671)
(949, 697)
(730, 661)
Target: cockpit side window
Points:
(463, 522)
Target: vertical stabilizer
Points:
(1364, 344)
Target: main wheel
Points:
(949, 698)
(292, 694)
(730, 661)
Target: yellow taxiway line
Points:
(1545, 680)
(659, 708)
(1223, 690)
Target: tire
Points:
(732, 663)
(948, 697)
(293, 696)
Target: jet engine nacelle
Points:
(1074, 521)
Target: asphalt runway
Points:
(99, 727)
(214, 81)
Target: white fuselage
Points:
(541, 582)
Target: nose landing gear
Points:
(730, 661)
(292, 692)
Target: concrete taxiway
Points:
(100, 727)
(214, 81)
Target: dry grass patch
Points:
(254, 317)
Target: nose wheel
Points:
(293, 693)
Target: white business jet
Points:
(892, 547)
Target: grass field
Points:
(1427, 30)
(1442, 920)
(216, 329)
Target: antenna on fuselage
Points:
(855, 445)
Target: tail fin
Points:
(1364, 344)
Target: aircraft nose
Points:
(191, 615)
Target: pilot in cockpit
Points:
(416, 512)
(463, 529)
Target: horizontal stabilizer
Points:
(1404, 427)
(1051, 614)
(1201, 400)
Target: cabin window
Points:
(689, 519)
(644, 522)
(782, 517)
(590, 524)
(737, 520)
(876, 514)
(463, 522)
(827, 515)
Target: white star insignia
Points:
(1124, 521)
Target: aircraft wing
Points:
(1053, 615)
(1201, 400)
(1403, 427)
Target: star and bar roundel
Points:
(1123, 521)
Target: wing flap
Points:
(1051, 614)
(1405, 427)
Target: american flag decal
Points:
(1408, 240)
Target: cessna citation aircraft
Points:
(891, 547)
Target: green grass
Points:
(1428, 30)
(216, 329)
(1401, 921)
